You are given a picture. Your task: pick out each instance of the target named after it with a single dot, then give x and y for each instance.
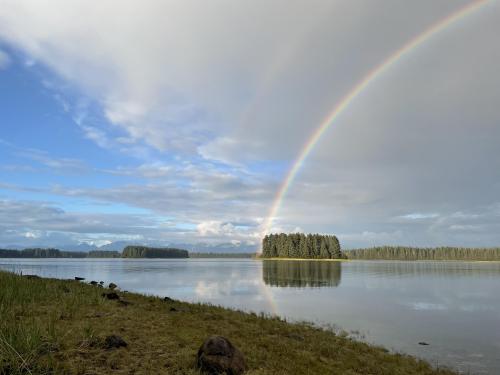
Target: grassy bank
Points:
(58, 327)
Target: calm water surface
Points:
(453, 306)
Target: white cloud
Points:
(35, 234)
(216, 228)
(420, 216)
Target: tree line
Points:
(128, 252)
(221, 255)
(41, 253)
(103, 254)
(415, 253)
(153, 252)
(300, 245)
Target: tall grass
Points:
(28, 312)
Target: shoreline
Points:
(58, 326)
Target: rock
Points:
(423, 343)
(93, 282)
(114, 342)
(32, 276)
(112, 286)
(101, 282)
(218, 356)
(173, 309)
(111, 295)
(168, 299)
(79, 278)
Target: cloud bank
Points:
(210, 103)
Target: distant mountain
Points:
(13, 247)
(79, 247)
(200, 247)
(219, 248)
(119, 245)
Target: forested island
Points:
(318, 246)
(300, 245)
(414, 253)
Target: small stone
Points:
(168, 299)
(173, 309)
(111, 295)
(32, 276)
(114, 342)
(93, 282)
(218, 356)
(112, 286)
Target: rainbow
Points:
(354, 93)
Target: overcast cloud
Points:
(206, 105)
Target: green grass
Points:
(56, 327)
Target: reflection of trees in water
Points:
(424, 268)
(301, 273)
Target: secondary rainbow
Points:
(354, 92)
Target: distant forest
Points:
(221, 255)
(153, 252)
(299, 245)
(41, 253)
(103, 254)
(128, 252)
(414, 253)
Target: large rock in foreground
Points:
(218, 356)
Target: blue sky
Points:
(145, 122)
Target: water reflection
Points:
(451, 305)
(438, 269)
(301, 274)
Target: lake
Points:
(452, 306)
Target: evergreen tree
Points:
(298, 245)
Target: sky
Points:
(177, 122)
